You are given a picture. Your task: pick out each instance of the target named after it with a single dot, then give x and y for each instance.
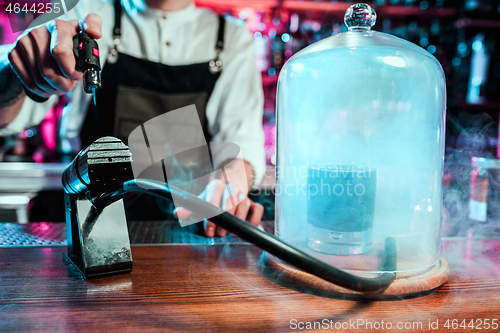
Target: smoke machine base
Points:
(410, 286)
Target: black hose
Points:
(261, 238)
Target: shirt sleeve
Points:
(239, 97)
(31, 114)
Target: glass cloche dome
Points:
(360, 146)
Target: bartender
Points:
(169, 50)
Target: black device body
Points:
(86, 53)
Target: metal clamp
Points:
(113, 50)
(215, 66)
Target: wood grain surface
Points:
(225, 288)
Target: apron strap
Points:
(117, 31)
(220, 35)
(215, 65)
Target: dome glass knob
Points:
(360, 17)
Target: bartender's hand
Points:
(222, 195)
(43, 59)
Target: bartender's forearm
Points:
(232, 172)
(11, 93)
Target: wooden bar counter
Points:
(224, 288)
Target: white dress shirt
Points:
(186, 36)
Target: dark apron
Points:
(137, 90)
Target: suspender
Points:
(220, 35)
(215, 66)
(117, 32)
